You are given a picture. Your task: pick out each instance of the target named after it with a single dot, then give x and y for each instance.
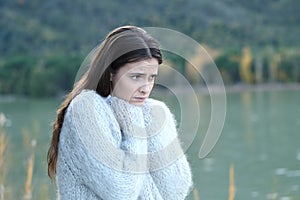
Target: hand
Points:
(155, 118)
(129, 117)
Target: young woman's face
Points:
(134, 81)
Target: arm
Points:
(110, 169)
(167, 162)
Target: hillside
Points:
(42, 43)
(43, 27)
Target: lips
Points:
(139, 99)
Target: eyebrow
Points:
(141, 74)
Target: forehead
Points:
(146, 66)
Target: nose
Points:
(146, 88)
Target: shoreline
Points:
(263, 87)
(199, 89)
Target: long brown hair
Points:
(122, 45)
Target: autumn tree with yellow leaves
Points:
(245, 65)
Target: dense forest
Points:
(42, 43)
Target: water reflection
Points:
(247, 118)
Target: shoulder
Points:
(153, 103)
(88, 103)
(159, 110)
(88, 96)
(88, 100)
(159, 118)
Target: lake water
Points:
(260, 140)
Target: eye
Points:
(135, 77)
(152, 77)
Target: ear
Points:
(110, 76)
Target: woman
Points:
(110, 141)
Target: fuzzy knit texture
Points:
(111, 150)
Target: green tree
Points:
(228, 64)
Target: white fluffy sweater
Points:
(110, 149)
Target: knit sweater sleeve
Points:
(103, 158)
(168, 165)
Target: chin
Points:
(137, 103)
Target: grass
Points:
(196, 194)
(4, 192)
(232, 188)
(3, 145)
(28, 182)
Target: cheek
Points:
(130, 88)
(124, 89)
